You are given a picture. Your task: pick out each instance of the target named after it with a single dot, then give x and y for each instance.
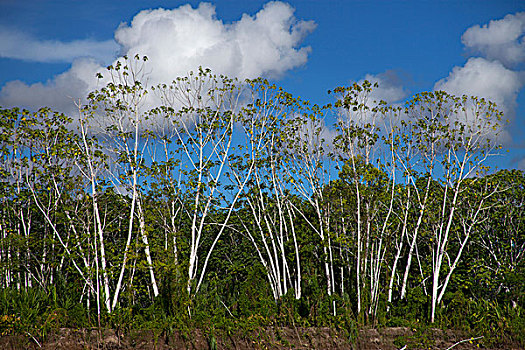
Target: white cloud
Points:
(501, 40)
(390, 87)
(310, 135)
(316, 133)
(17, 45)
(487, 79)
(59, 93)
(179, 40)
(493, 76)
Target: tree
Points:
(270, 223)
(369, 171)
(457, 140)
(202, 109)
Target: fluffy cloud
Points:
(390, 87)
(502, 45)
(501, 40)
(179, 40)
(312, 134)
(493, 76)
(17, 45)
(483, 78)
(60, 93)
(487, 79)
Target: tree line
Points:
(212, 196)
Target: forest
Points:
(220, 204)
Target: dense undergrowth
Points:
(37, 313)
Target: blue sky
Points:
(307, 46)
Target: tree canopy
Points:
(213, 200)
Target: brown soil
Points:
(275, 338)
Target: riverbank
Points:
(269, 338)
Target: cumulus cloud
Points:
(180, 40)
(390, 87)
(59, 93)
(311, 135)
(17, 45)
(501, 40)
(497, 74)
(483, 78)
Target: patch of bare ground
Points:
(270, 338)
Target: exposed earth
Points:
(272, 338)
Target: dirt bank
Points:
(274, 338)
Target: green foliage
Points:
(422, 337)
(486, 318)
(203, 212)
(38, 312)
